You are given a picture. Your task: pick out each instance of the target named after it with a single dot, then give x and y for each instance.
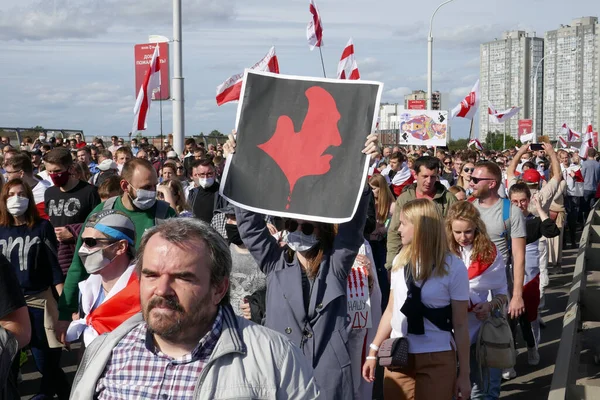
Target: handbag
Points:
(393, 353)
(495, 347)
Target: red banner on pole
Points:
(143, 56)
(417, 104)
(525, 126)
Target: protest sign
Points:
(299, 143)
(423, 127)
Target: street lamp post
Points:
(177, 81)
(430, 57)
(535, 81)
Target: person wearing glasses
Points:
(464, 178)
(306, 284)
(448, 172)
(33, 255)
(204, 198)
(111, 294)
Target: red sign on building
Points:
(525, 126)
(143, 56)
(417, 104)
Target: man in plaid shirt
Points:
(187, 343)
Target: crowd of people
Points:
(174, 293)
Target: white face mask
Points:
(17, 205)
(94, 261)
(206, 182)
(145, 199)
(298, 241)
(120, 168)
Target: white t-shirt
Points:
(437, 292)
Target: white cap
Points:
(171, 154)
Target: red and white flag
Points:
(144, 98)
(498, 117)
(569, 133)
(347, 68)
(314, 29)
(468, 107)
(586, 143)
(562, 141)
(477, 144)
(230, 89)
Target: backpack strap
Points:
(506, 209)
(110, 203)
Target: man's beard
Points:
(482, 193)
(171, 327)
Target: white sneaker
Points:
(508, 374)
(533, 357)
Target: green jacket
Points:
(443, 199)
(69, 300)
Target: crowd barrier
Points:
(582, 315)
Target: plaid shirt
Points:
(137, 370)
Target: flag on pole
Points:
(562, 141)
(230, 89)
(477, 144)
(570, 134)
(347, 68)
(498, 117)
(144, 98)
(468, 107)
(586, 143)
(314, 29)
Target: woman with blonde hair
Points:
(384, 209)
(465, 177)
(172, 192)
(428, 301)
(468, 239)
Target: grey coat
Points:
(322, 333)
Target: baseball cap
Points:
(106, 165)
(171, 154)
(531, 176)
(36, 152)
(114, 224)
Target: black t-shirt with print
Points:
(11, 296)
(71, 207)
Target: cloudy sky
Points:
(69, 63)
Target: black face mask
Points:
(233, 234)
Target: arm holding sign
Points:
(350, 234)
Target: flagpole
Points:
(322, 63)
(161, 126)
(471, 128)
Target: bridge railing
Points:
(582, 307)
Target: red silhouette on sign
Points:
(300, 154)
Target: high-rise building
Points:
(507, 69)
(421, 95)
(572, 76)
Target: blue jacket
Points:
(590, 169)
(325, 336)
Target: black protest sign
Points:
(299, 146)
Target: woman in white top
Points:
(442, 285)
(468, 239)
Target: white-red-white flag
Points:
(569, 133)
(586, 143)
(314, 29)
(562, 141)
(502, 116)
(477, 144)
(144, 98)
(468, 107)
(231, 88)
(347, 68)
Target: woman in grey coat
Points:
(306, 287)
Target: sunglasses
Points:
(477, 180)
(291, 225)
(93, 242)
(180, 168)
(468, 170)
(448, 163)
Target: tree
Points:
(215, 133)
(495, 141)
(458, 144)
